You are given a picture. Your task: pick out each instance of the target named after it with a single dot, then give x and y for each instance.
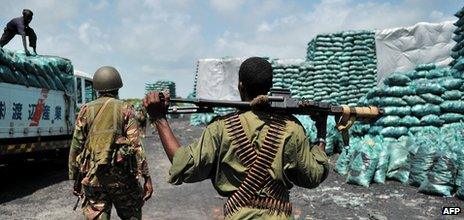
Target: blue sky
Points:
(151, 40)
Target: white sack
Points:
(401, 49)
(218, 79)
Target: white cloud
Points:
(287, 36)
(99, 5)
(226, 5)
(149, 40)
(92, 36)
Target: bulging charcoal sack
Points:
(426, 141)
(398, 167)
(364, 161)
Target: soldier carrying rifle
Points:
(252, 157)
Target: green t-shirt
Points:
(213, 157)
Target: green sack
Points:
(460, 13)
(334, 138)
(59, 85)
(397, 79)
(343, 161)
(409, 121)
(394, 132)
(20, 79)
(431, 98)
(382, 165)
(7, 75)
(430, 88)
(375, 130)
(32, 80)
(426, 141)
(440, 178)
(413, 75)
(452, 95)
(43, 82)
(427, 109)
(392, 101)
(363, 162)
(389, 120)
(460, 171)
(450, 83)
(453, 106)
(425, 67)
(452, 117)
(459, 65)
(413, 100)
(398, 167)
(5, 58)
(431, 120)
(399, 111)
(359, 129)
(436, 73)
(397, 91)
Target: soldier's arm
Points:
(191, 163)
(195, 162)
(308, 165)
(77, 143)
(169, 141)
(133, 134)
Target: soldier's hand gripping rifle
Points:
(280, 100)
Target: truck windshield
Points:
(89, 92)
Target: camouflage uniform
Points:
(113, 159)
(214, 157)
(141, 115)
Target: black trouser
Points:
(9, 34)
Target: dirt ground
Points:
(40, 190)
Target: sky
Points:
(150, 40)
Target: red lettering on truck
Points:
(39, 108)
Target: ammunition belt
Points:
(258, 163)
(274, 206)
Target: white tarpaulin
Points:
(401, 49)
(218, 79)
(286, 62)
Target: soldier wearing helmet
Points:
(20, 25)
(107, 154)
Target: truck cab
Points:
(84, 88)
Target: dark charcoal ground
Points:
(39, 190)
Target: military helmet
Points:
(107, 78)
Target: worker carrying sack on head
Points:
(20, 25)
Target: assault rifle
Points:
(280, 100)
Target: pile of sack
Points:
(432, 159)
(289, 75)
(457, 52)
(419, 140)
(160, 86)
(425, 97)
(345, 66)
(49, 72)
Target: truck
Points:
(36, 117)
